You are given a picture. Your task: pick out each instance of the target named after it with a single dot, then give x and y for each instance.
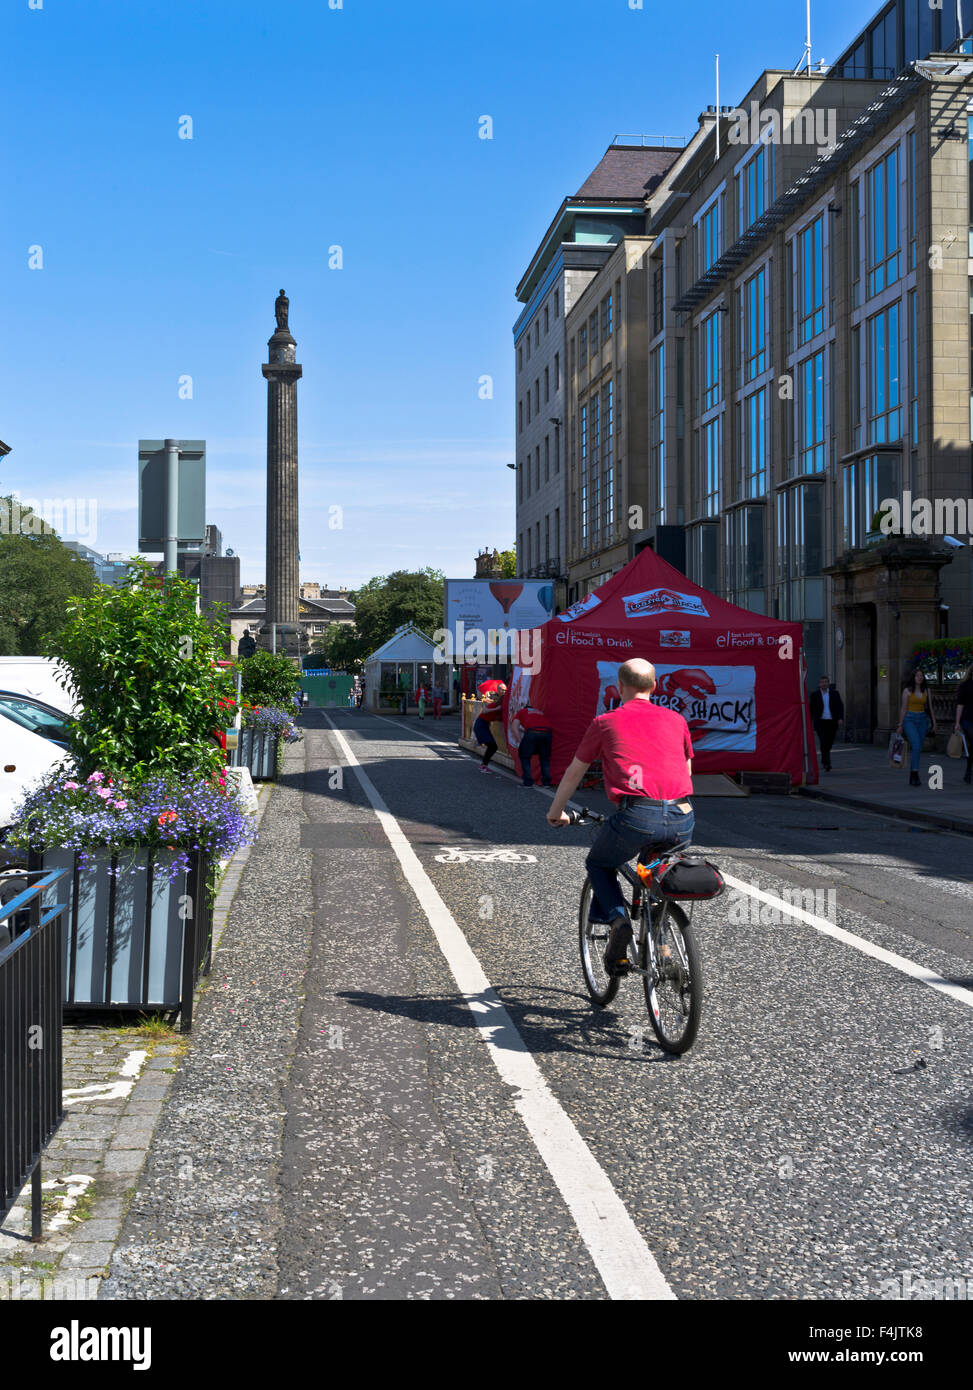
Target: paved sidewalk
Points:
(862, 777)
(116, 1082)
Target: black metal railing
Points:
(31, 1064)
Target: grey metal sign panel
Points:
(191, 528)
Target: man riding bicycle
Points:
(646, 759)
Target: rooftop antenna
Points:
(805, 60)
(717, 160)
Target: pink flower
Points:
(122, 805)
(104, 793)
(71, 786)
(97, 777)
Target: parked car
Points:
(25, 756)
(36, 716)
(36, 677)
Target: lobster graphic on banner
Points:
(718, 703)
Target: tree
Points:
(387, 602)
(340, 645)
(508, 559)
(269, 678)
(143, 666)
(38, 576)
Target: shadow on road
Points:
(537, 1028)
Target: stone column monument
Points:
(283, 574)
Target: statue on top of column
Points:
(281, 308)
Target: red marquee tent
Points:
(735, 676)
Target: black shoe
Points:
(913, 779)
(827, 767)
(968, 777)
(616, 954)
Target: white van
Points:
(24, 758)
(36, 676)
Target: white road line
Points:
(867, 948)
(626, 1264)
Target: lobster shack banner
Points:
(736, 677)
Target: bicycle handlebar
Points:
(583, 816)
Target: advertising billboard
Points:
(481, 614)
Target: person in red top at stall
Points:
(646, 760)
(492, 693)
(537, 740)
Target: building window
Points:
(711, 341)
(520, 417)
(593, 333)
(520, 358)
(710, 438)
(746, 569)
(704, 555)
(914, 363)
(583, 346)
(557, 451)
(754, 326)
(547, 539)
(547, 458)
(557, 371)
(810, 281)
(537, 334)
(810, 414)
(557, 304)
(855, 243)
(608, 455)
(606, 317)
(657, 465)
(658, 298)
(913, 234)
(527, 472)
(750, 192)
(527, 341)
(709, 237)
(547, 318)
(537, 458)
(867, 483)
(528, 405)
(547, 384)
(884, 400)
(583, 508)
(537, 395)
(594, 470)
(882, 224)
(557, 534)
(520, 482)
(753, 444)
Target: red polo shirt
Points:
(643, 750)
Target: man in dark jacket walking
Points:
(827, 713)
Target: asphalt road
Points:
(815, 1143)
(398, 1089)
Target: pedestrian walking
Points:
(421, 701)
(964, 719)
(915, 718)
(438, 695)
(827, 714)
(493, 693)
(537, 739)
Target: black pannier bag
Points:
(688, 877)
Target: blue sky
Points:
(316, 127)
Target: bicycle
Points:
(663, 950)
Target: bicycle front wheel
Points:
(593, 939)
(674, 984)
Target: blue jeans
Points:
(536, 741)
(915, 728)
(621, 838)
(483, 736)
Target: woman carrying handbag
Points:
(915, 718)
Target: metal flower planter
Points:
(257, 750)
(133, 941)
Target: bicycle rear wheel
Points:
(674, 991)
(593, 939)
